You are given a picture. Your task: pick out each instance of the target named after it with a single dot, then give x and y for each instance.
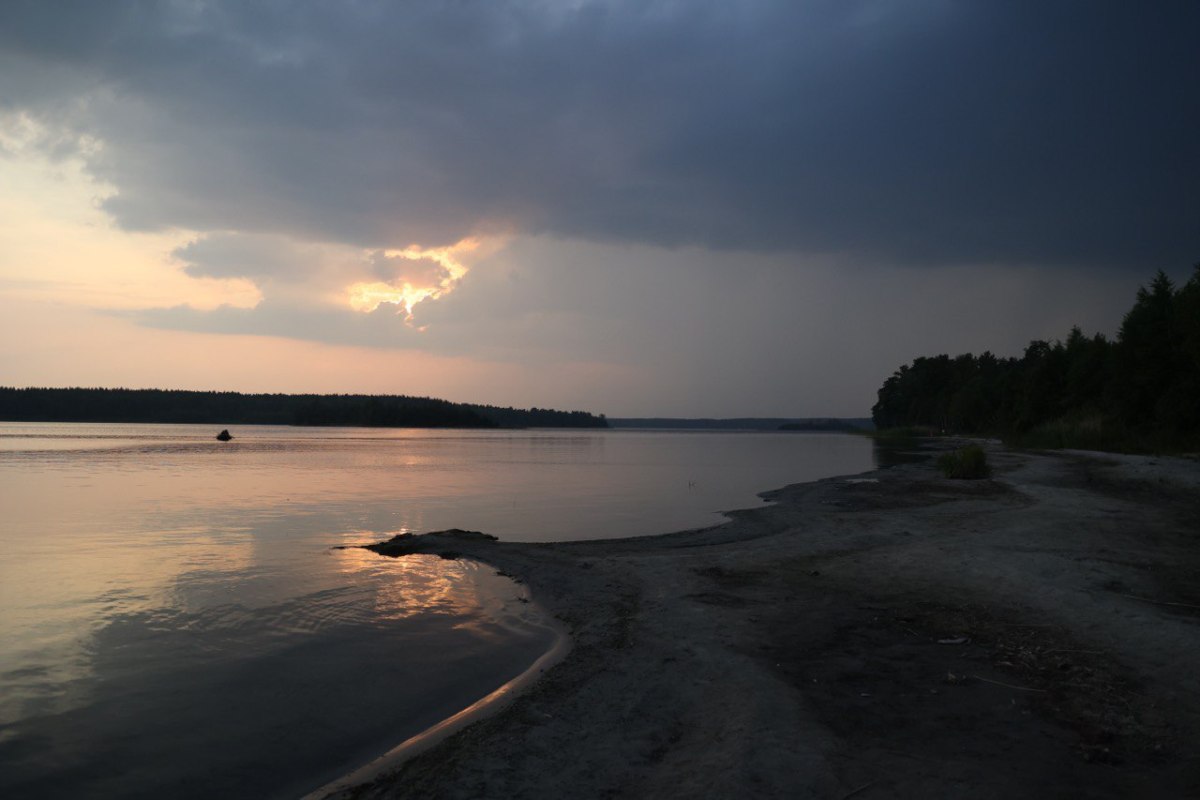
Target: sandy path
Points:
(1034, 635)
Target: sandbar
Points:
(890, 634)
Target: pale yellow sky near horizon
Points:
(57, 245)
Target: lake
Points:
(177, 623)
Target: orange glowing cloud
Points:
(411, 287)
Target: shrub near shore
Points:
(967, 463)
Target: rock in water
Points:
(224, 436)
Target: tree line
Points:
(744, 423)
(234, 408)
(1138, 392)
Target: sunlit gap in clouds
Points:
(403, 293)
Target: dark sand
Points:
(1032, 635)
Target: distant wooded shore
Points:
(235, 408)
(815, 424)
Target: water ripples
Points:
(177, 624)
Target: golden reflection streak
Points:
(416, 584)
(368, 296)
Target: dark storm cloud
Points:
(923, 133)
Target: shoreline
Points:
(491, 703)
(891, 633)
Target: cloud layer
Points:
(926, 133)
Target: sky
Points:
(638, 208)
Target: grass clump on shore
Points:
(1096, 433)
(907, 436)
(905, 433)
(967, 463)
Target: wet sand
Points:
(892, 635)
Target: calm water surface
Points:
(175, 623)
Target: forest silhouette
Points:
(234, 408)
(1137, 393)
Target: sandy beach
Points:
(892, 634)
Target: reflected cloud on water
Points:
(236, 679)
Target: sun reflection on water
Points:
(413, 585)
